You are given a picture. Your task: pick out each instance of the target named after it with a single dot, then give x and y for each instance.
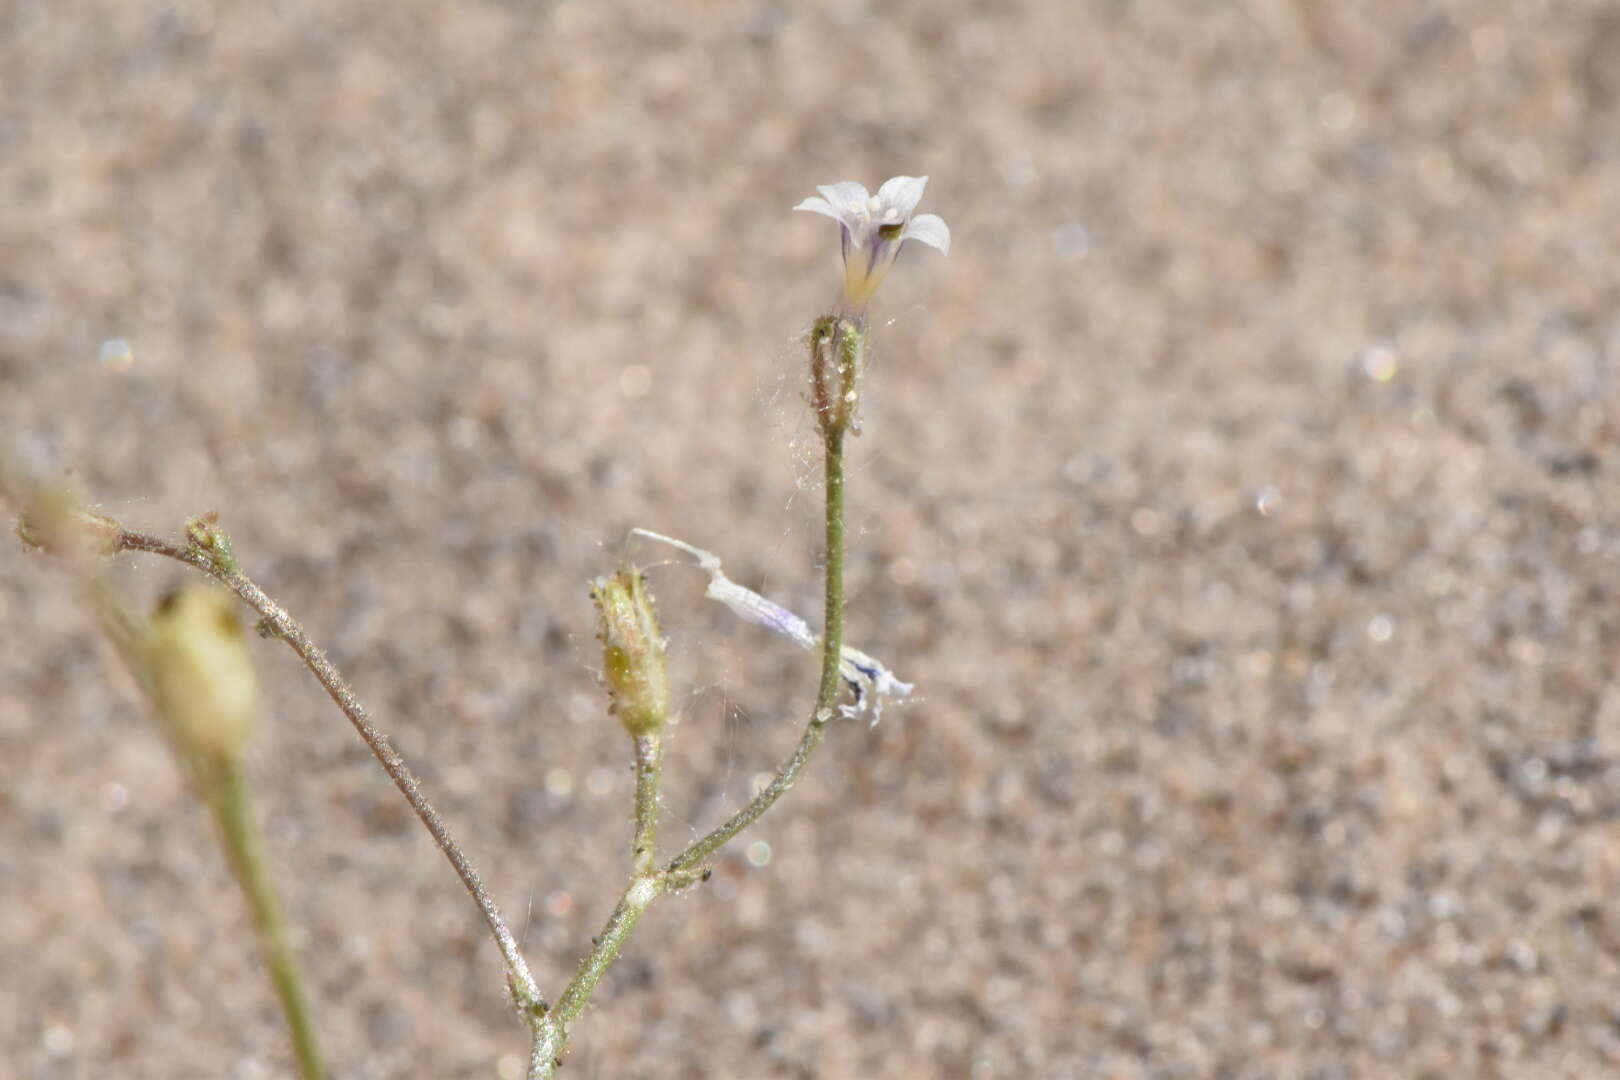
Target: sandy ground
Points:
(1239, 493)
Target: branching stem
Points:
(209, 551)
(832, 643)
(647, 885)
(280, 624)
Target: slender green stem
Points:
(210, 553)
(832, 635)
(282, 625)
(551, 1031)
(646, 885)
(232, 807)
(221, 784)
(832, 643)
(649, 775)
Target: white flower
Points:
(875, 226)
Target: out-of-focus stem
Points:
(229, 800)
(220, 783)
(280, 624)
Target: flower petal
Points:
(929, 229)
(820, 206)
(903, 193)
(847, 196)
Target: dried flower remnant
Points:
(868, 679)
(875, 227)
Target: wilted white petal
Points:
(903, 193)
(847, 196)
(868, 680)
(930, 229)
(820, 206)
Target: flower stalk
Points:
(206, 699)
(648, 884)
(230, 802)
(275, 622)
(832, 641)
(191, 663)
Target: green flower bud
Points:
(206, 536)
(838, 348)
(632, 651)
(203, 682)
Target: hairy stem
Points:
(646, 885)
(832, 643)
(649, 775)
(280, 624)
(552, 1030)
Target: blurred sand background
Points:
(1239, 494)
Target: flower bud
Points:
(203, 682)
(632, 651)
(204, 534)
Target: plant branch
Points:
(832, 642)
(649, 775)
(552, 1030)
(218, 565)
(215, 772)
(228, 799)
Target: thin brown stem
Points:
(282, 625)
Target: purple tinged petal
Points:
(878, 255)
(847, 196)
(930, 229)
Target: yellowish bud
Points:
(632, 651)
(203, 682)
